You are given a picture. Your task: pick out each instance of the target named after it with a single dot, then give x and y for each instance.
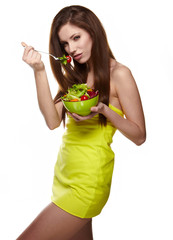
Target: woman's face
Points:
(76, 41)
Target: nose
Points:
(72, 48)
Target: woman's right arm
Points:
(52, 113)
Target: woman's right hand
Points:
(32, 58)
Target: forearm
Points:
(45, 101)
(129, 129)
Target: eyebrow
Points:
(70, 37)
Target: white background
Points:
(140, 204)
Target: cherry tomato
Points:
(84, 97)
(68, 59)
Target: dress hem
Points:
(71, 212)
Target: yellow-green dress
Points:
(84, 167)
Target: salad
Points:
(65, 59)
(79, 92)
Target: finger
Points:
(71, 114)
(35, 54)
(75, 116)
(94, 109)
(24, 44)
(38, 57)
(30, 53)
(28, 49)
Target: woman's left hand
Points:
(99, 108)
(94, 111)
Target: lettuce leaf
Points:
(76, 92)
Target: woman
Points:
(84, 167)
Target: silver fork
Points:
(56, 58)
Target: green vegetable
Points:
(76, 92)
(63, 59)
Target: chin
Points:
(83, 60)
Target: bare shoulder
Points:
(127, 93)
(121, 77)
(120, 72)
(116, 69)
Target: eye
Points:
(76, 37)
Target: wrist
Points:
(39, 67)
(104, 110)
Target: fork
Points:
(64, 60)
(56, 58)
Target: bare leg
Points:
(85, 233)
(53, 223)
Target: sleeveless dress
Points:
(84, 167)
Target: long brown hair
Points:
(67, 75)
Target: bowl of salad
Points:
(80, 98)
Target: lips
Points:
(77, 56)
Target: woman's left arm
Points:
(133, 126)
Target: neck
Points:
(90, 78)
(90, 67)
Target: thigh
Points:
(85, 233)
(53, 223)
